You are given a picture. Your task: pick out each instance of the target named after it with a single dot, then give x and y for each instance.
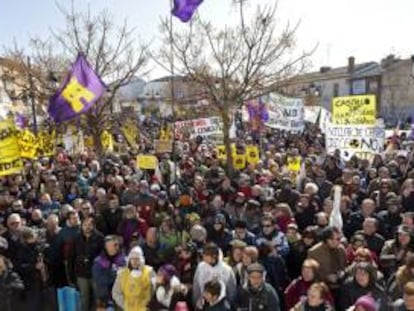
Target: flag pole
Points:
(172, 88)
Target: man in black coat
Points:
(87, 246)
(257, 295)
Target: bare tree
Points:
(111, 49)
(237, 63)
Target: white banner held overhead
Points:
(360, 140)
(285, 113)
(204, 127)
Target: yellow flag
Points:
(46, 142)
(294, 164)
(130, 132)
(107, 141)
(252, 154)
(28, 144)
(221, 152)
(239, 161)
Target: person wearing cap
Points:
(364, 303)
(241, 233)
(132, 289)
(270, 232)
(168, 289)
(257, 294)
(213, 267)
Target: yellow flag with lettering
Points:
(10, 160)
(252, 154)
(28, 144)
(239, 161)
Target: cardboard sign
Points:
(357, 140)
(163, 146)
(147, 162)
(354, 110)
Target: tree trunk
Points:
(96, 130)
(226, 140)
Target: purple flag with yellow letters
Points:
(81, 89)
(185, 9)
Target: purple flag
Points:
(184, 9)
(81, 89)
(258, 114)
(20, 120)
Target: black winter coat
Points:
(10, 284)
(266, 299)
(84, 252)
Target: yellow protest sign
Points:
(130, 132)
(89, 143)
(163, 146)
(252, 154)
(107, 141)
(147, 162)
(46, 143)
(28, 144)
(10, 161)
(294, 164)
(221, 152)
(239, 161)
(354, 110)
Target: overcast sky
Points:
(366, 29)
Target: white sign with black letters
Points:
(357, 140)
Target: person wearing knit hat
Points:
(132, 290)
(365, 303)
(168, 288)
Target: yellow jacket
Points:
(133, 293)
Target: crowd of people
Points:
(200, 236)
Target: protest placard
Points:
(355, 110)
(360, 140)
(163, 146)
(147, 162)
(203, 127)
(285, 113)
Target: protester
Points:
(257, 294)
(263, 237)
(132, 290)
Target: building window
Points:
(336, 90)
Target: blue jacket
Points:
(104, 271)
